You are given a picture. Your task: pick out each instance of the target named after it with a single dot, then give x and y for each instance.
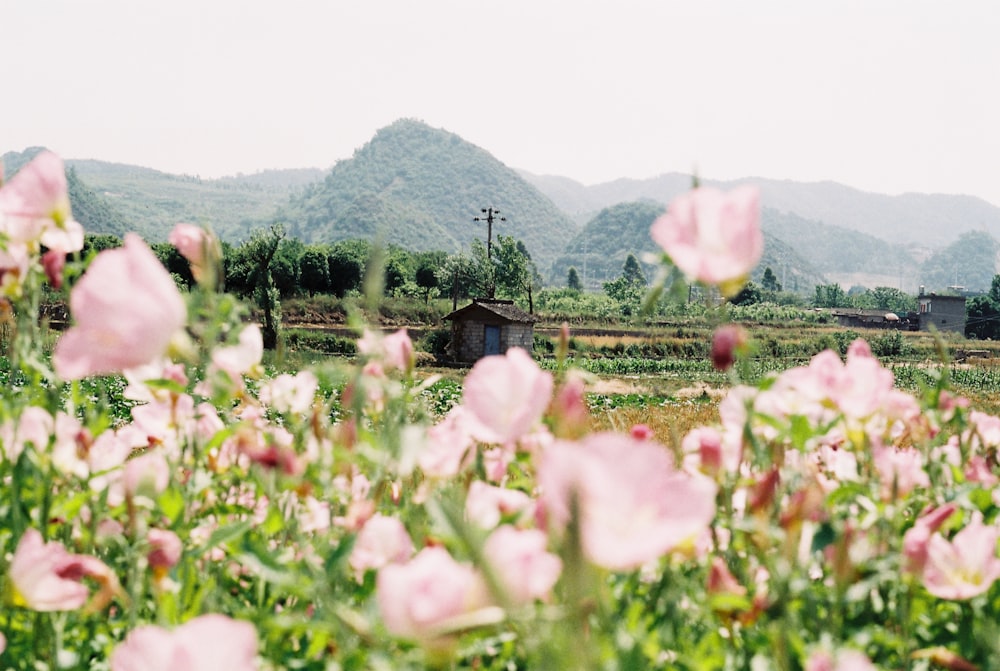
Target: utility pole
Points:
(489, 219)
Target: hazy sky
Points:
(887, 96)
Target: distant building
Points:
(489, 326)
(944, 313)
(876, 319)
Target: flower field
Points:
(171, 504)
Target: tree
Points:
(395, 273)
(346, 269)
(255, 257)
(983, 314)
(994, 293)
(514, 271)
(750, 294)
(484, 270)
(830, 296)
(632, 271)
(314, 270)
(629, 289)
(98, 242)
(982, 318)
(457, 277)
(769, 282)
(534, 279)
(573, 280)
(175, 264)
(285, 267)
(426, 278)
(892, 299)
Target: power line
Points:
(489, 219)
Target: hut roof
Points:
(484, 307)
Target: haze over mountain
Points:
(115, 198)
(421, 187)
(925, 220)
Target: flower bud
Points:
(728, 342)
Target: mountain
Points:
(420, 187)
(153, 201)
(794, 271)
(599, 250)
(922, 220)
(96, 213)
(967, 264)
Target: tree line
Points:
(287, 267)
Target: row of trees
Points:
(287, 267)
(271, 266)
(889, 299)
(630, 287)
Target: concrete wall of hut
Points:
(468, 338)
(944, 315)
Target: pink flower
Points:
(525, 570)
(721, 580)
(47, 578)
(485, 505)
(978, 470)
(728, 342)
(641, 432)
(917, 537)
(36, 209)
(127, 309)
(569, 409)
(190, 241)
(843, 659)
(33, 427)
(235, 360)
(290, 393)
(146, 475)
(382, 541)
(634, 506)
(901, 470)
(393, 352)
(418, 600)
(206, 643)
(707, 450)
(449, 445)
(105, 457)
(964, 567)
(507, 395)
(53, 262)
(165, 549)
(14, 266)
(713, 237)
(983, 432)
(397, 349)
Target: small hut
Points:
(489, 326)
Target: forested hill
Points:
(932, 221)
(95, 212)
(421, 187)
(116, 198)
(599, 250)
(153, 201)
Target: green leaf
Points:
(171, 503)
(825, 536)
(227, 534)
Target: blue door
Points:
(492, 340)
